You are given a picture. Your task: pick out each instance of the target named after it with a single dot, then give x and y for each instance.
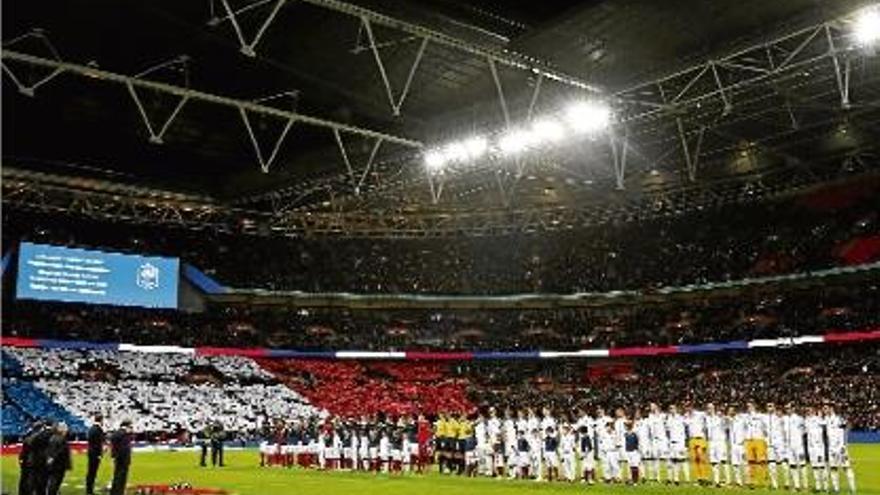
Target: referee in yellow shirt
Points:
(441, 439)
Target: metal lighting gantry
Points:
(687, 114)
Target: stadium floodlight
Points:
(548, 130)
(515, 141)
(434, 161)
(455, 152)
(588, 116)
(476, 146)
(866, 28)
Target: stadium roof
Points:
(688, 106)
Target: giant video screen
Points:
(55, 273)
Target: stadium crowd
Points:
(744, 315)
(824, 228)
(164, 396)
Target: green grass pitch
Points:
(242, 476)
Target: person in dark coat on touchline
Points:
(96, 439)
(26, 458)
(58, 461)
(120, 450)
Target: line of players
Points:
(365, 445)
(659, 446)
(738, 445)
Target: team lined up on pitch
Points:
(796, 449)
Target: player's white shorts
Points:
(717, 452)
(551, 459)
(349, 453)
(523, 459)
(817, 456)
(610, 464)
(267, 448)
(795, 456)
(660, 449)
(510, 455)
(633, 458)
(677, 451)
(588, 460)
(397, 455)
(776, 453)
(838, 458)
(737, 454)
(331, 453)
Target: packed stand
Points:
(353, 389)
(766, 313)
(847, 374)
(729, 243)
(164, 396)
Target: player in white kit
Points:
(795, 448)
(675, 425)
(738, 429)
(568, 452)
(775, 444)
(509, 430)
(838, 455)
(659, 439)
(619, 427)
(815, 426)
(608, 454)
(643, 432)
(716, 433)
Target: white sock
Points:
(772, 470)
(686, 470)
(819, 478)
(727, 472)
(851, 479)
(795, 479)
(716, 474)
(835, 480)
(738, 474)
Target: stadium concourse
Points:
(262, 247)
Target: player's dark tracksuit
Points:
(96, 439)
(57, 462)
(120, 449)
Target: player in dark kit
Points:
(96, 439)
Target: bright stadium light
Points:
(516, 141)
(455, 152)
(434, 161)
(588, 116)
(548, 130)
(866, 28)
(476, 146)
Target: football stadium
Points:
(442, 247)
